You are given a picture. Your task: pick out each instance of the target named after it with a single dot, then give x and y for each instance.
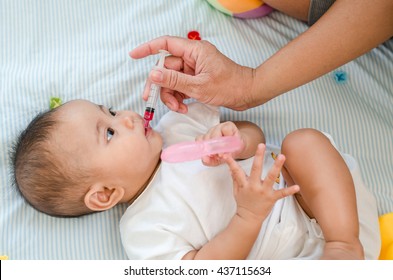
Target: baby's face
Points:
(115, 143)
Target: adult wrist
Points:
(262, 87)
(247, 90)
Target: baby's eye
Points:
(109, 134)
(113, 113)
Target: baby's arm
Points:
(255, 199)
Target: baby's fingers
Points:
(257, 165)
(212, 160)
(237, 172)
(274, 171)
(281, 193)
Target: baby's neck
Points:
(146, 183)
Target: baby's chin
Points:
(152, 135)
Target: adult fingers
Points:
(177, 81)
(169, 99)
(176, 46)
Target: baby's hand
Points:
(255, 197)
(222, 129)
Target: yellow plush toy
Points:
(386, 228)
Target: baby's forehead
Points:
(68, 147)
(78, 104)
(76, 111)
(75, 119)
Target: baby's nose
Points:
(128, 121)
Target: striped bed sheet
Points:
(79, 49)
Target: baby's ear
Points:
(100, 197)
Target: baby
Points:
(81, 158)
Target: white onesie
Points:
(187, 204)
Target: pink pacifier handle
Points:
(193, 150)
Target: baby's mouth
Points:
(147, 131)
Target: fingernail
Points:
(156, 75)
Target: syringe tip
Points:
(146, 124)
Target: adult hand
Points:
(196, 69)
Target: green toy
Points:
(55, 102)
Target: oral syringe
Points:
(154, 93)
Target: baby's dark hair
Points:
(46, 180)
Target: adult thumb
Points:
(173, 80)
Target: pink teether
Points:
(192, 150)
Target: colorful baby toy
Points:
(242, 8)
